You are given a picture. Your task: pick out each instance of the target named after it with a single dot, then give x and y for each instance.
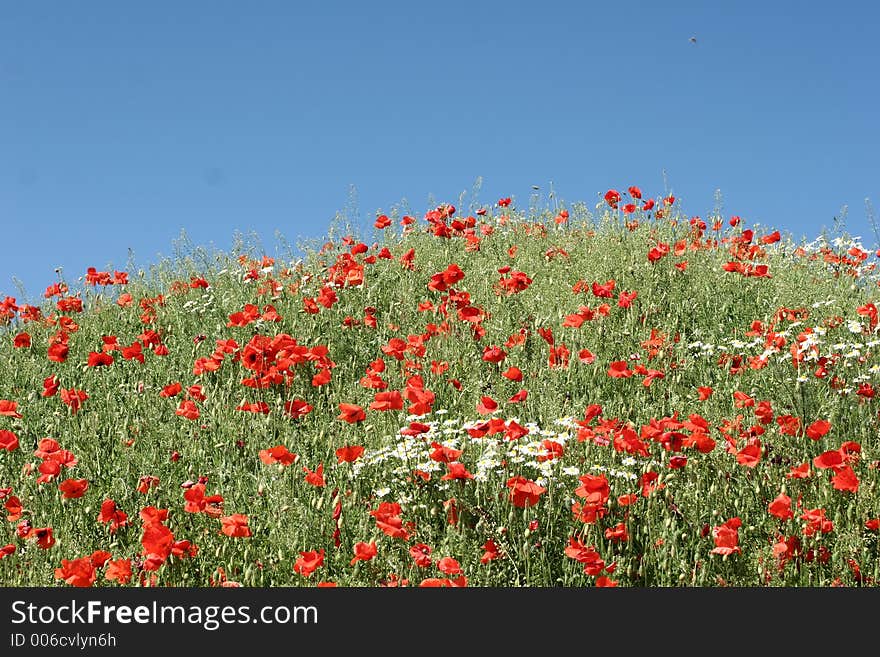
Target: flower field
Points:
(615, 394)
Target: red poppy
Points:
(146, 482)
(524, 492)
(449, 566)
(513, 373)
(278, 454)
(197, 502)
(456, 470)
(612, 198)
(845, 479)
(13, 508)
(171, 390)
(73, 488)
(617, 533)
(78, 572)
(726, 537)
(99, 359)
(73, 398)
(364, 552)
(235, 525)
(421, 555)
(619, 370)
(349, 454)
(594, 489)
(8, 440)
(9, 408)
(587, 555)
(494, 354)
(112, 515)
(818, 429)
(118, 571)
(44, 537)
(188, 409)
(309, 562)
(491, 552)
(781, 507)
(6, 550)
(297, 408)
(831, 459)
(389, 521)
(315, 478)
(816, 522)
(387, 401)
(487, 405)
(351, 413)
(750, 455)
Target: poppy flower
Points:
(146, 482)
(349, 454)
(619, 370)
(781, 507)
(315, 478)
(750, 455)
(818, 429)
(831, 459)
(816, 522)
(387, 401)
(593, 489)
(308, 562)
(6, 550)
(73, 398)
(364, 552)
(524, 492)
(587, 555)
(726, 537)
(111, 515)
(50, 386)
(491, 552)
(235, 525)
(188, 409)
(43, 536)
(487, 406)
(705, 392)
(617, 533)
(99, 359)
(73, 488)
(513, 373)
(9, 408)
(456, 470)
(388, 520)
(845, 479)
(8, 440)
(278, 454)
(421, 555)
(297, 408)
(449, 566)
(13, 508)
(171, 390)
(351, 413)
(118, 571)
(78, 572)
(494, 354)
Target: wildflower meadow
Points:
(603, 394)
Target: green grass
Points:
(699, 313)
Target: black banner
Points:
(94, 621)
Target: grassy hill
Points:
(562, 397)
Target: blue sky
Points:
(123, 123)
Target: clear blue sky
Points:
(122, 123)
